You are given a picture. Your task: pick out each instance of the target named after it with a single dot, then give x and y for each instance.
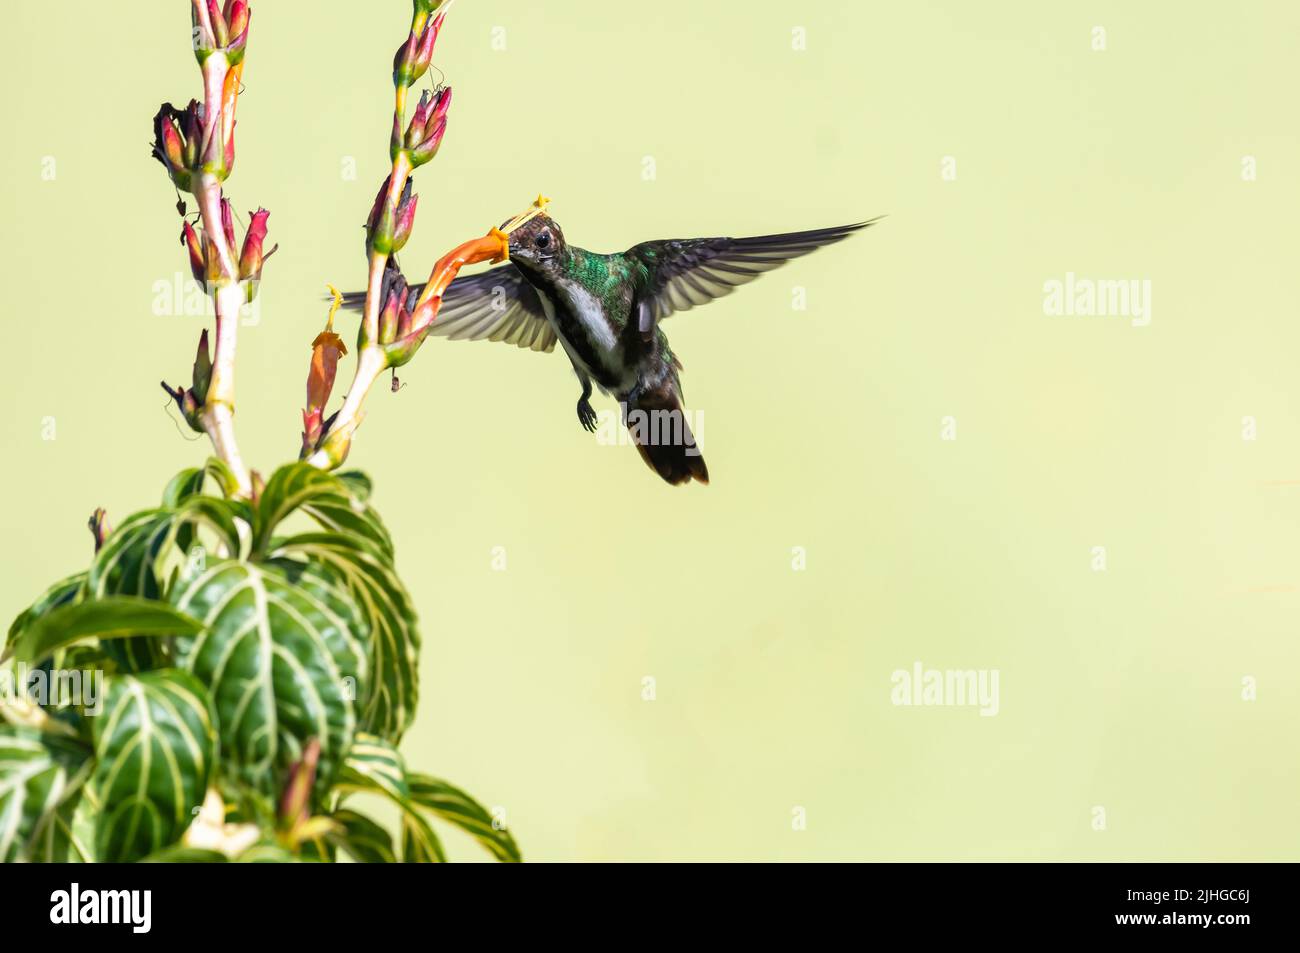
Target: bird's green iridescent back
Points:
(610, 278)
(606, 277)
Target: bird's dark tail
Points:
(663, 436)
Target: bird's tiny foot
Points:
(586, 415)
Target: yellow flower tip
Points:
(334, 307)
(526, 216)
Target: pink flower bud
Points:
(190, 239)
(415, 132)
(377, 210)
(237, 16)
(424, 52)
(388, 316)
(405, 219)
(218, 23)
(412, 59)
(427, 149)
(441, 104)
(170, 146)
(250, 257)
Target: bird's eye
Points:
(544, 240)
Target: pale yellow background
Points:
(1119, 689)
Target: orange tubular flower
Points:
(325, 353)
(493, 247)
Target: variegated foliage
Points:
(234, 654)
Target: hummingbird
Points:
(604, 311)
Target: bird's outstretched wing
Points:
(497, 305)
(694, 271)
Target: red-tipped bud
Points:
(405, 218)
(412, 59)
(219, 27)
(99, 527)
(171, 146)
(250, 257)
(388, 316)
(428, 121)
(419, 120)
(441, 104)
(405, 321)
(377, 211)
(237, 16)
(424, 51)
(190, 239)
(191, 409)
(427, 149)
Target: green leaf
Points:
(155, 747)
(372, 764)
(223, 475)
(125, 563)
(332, 502)
(420, 844)
(135, 561)
(357, 482)
(62, 593)
(183, 485)
(39, 773)
(113, 617)
(366, 841)
(208, 511)
(69, 837)
(191, 482)
(454, 805)
(388, 707)
(284, 654)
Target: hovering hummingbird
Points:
(605, 310)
